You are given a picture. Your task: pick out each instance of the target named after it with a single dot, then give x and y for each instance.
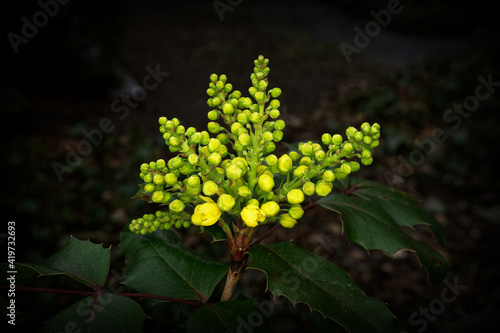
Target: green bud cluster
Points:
(231, 167)
(158, 221)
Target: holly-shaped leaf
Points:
(157, 263)
(101, 313)
(368, 222)
(84, 261)
(305, 277)
(402, 206)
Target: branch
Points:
(92, 293)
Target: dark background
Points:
(64, 80)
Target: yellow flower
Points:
(286, 221)
(271, 208)
(266, 182)
(206, 214)
(252, 215)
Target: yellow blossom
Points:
(252, 215)
(206, 214)
(286, 221)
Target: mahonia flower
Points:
(252, 215)
(206, 214)
(286, 221)
(234, 160)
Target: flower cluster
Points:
(231, 168)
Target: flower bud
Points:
(269, 147)
(359, 136)
(148, 178)
(244, 191)
(345, 168)
(323, 188)
(286, 221)
(263, 85)
(309, 188)
(267, 136)
(235, 127)
(162, 120)
(228, 108)
(271, 208)
(319, 155)
(242, 118)
(213, 115)
(193, 181)
(366, 128)
(170, 178)
(366, 161)
(144, 167)
(244, 139)
(366, 153)
(305, 161)
(348, 148)
(233, 172)
(277, 136)
(193, 159)
(213, 145)
(157, 197)
(271, 160)
(215, 101)
(285, 163)
(266, 182)
(275, 104)
(354, 166)
(214, 77)
(205, 138)
(306, 149)
(337, 139)
(275, 92)
(213, 127)
(158, 179)
(274, 113)
(367, 140)
(228, 87)
(296, 212)
(149, 187)
(328, 176)
(176, 206)
(295, 196)
(255, 117)
(300, 170)
(214, 159)
(279, 124)
(225, 202)
(326, 139)
(210, 188)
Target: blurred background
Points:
(106, 70)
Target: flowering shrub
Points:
(229, 181)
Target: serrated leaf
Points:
(402, 206)
(103, 313)
(159, 264)
(305, 277)
(368, 224)
(225, 317)
(82, 260)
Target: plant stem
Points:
(236, 270)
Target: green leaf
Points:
(233, 316)
(101, 313)
(368, 224)
(305, 277)
(402, 206)
(142, 195)
(82, 260)
(216, 232)
(159, 264)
